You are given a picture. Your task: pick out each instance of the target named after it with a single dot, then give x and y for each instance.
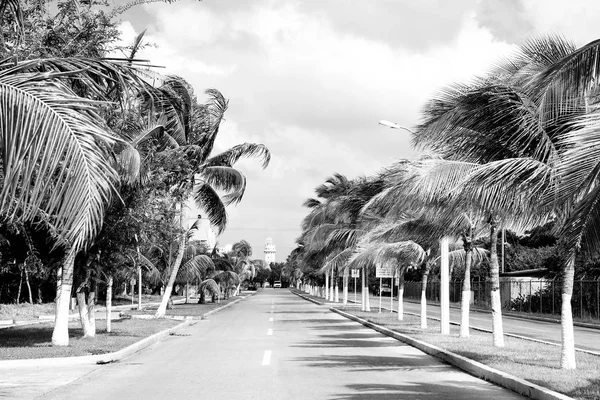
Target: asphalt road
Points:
(273, 345)
(585, 338)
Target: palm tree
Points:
(194, 169)
(543, 112)
(403, 255)
(336, 223)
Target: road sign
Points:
(384, 271)
(355, 273)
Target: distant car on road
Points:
(385, 288)
(277, 284)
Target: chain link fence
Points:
(541, 296)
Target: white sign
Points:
(384, 271)
(355, 273)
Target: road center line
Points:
(266, 358)
(270, 332)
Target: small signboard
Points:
(384, 271)
(355, 272)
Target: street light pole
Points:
(394, 125)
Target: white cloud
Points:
(312, 88)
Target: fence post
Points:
(530, 295)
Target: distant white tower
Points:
(269, 251)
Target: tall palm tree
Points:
(547, 106)
(197, 171)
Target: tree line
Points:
(100, 154)
(516, 148)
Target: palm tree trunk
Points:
(465, 301)
(495, 277)
(366, 290)
(60, 334)
(400, 294)
(91, 314)
(327, 285)
(363, 302)
(331, 286)
(20, 284)
(28, 284)
(345, 297)
(424, 295)
(162, 308)
(139, 271)
(567, 356)
(336, 290)
(83, 313)
(109, 289)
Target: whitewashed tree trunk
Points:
(28, 284)
(139, 287)
(20, 284)
(366, 290)
(60, 334)
(331, 287)
(400, 295)
(498, 332)
(326, 285)
(109, 289)
(567, 355)
(345, 283)
(58, 289)
(91, 314)
(424, 294)
(337, 289)
(83, 314)
(363, 302)
(466, 289)
(162, 308)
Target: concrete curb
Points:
(117, 355)
(474, 368)
(216, 310)
(307, 298)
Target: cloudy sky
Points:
(311, 78)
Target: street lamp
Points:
(394, 125)
(444, 261)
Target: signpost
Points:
(355, 274)
(384, 271)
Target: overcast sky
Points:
(310, 79)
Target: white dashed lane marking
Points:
(266, 358)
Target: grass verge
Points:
(192, 309)
(25, 311)
(535, 362)
(35, 341)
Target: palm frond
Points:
(227, 179)
(206, 198)
(210, 286)
(54, 157)
(234, 154)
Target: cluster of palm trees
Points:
(83, 139)
(514, 148)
